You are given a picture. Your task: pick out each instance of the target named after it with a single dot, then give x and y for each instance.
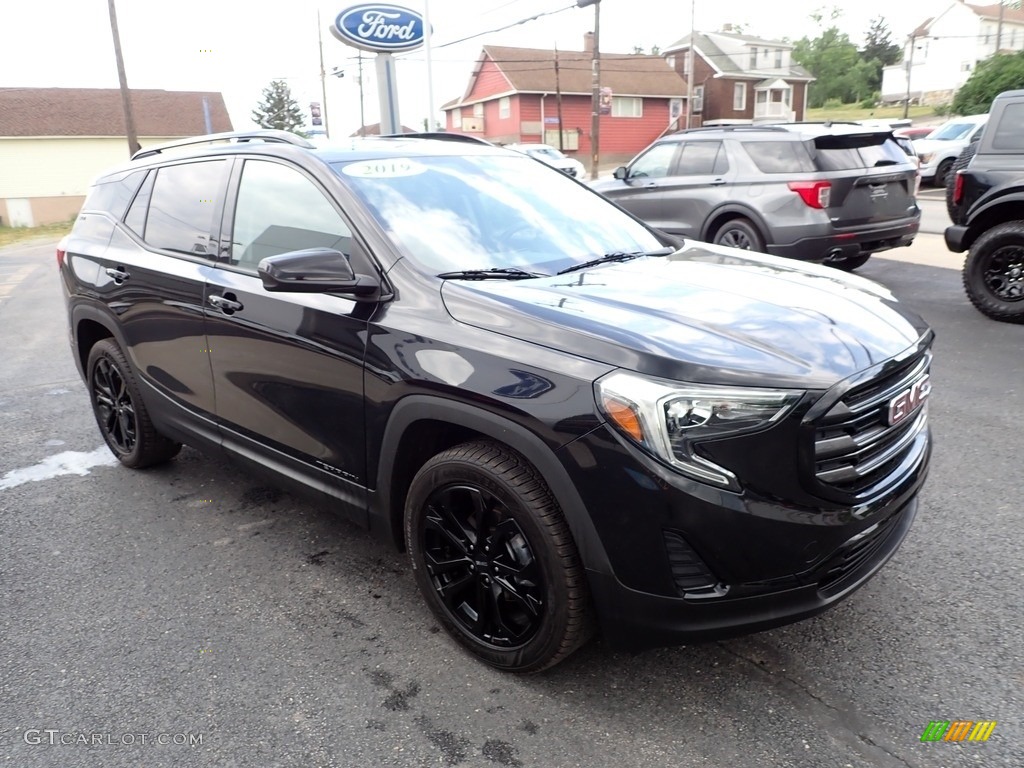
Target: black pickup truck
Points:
(987, 209)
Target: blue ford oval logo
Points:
(379, 27)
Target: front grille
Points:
(855, 447)
(859, 550)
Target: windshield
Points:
(491, 211)
(952, 131)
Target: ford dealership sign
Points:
(379, 27)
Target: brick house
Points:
(54, 141)
(740, 79)
(512, 96)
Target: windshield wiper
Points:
(495, 273)
(617, 256)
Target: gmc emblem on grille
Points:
(907, 401)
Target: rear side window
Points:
(846, 153)
(1009, 134)
(113, 196)
(183, 208)
(701, 157)
(779, 156)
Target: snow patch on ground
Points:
(66, 463)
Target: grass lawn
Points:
(12, 235)
(853, 112)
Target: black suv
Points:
(986, 204)
(822, 192)
(566, 420)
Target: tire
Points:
(993, 274)
(851, 262)
(939, 180)
(957, 212)
(739, 233)
(494, 558)
(120, 413)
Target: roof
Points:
(992, 12)
(41, 112)
(532, 70)
(374, 130)
(726, 65)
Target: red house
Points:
(527, 94)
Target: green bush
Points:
(832, 104)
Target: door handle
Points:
(717, 183)
(225, 303)
(117, 273)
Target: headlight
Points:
(926, 157)
(670, 419)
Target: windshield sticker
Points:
(388, 168)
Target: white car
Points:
(548, 154)
(942, 146)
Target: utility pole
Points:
(595, 98)
(431, 121)
(910, 67)
(999, 28)
(323, 75)
(558, 101)
(126, 98)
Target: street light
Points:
(595, 99)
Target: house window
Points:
(504, 107)
(671, 61)
(739, 97)
(1013, 39)
(627, 106)
(778, 58)
(698, 99)
(457, 118)
(478, 109)
(686, 65)
(753, 58)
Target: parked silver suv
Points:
(832, 193)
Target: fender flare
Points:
(83, 311)
(740, 211)
(977, 217)
(415, 408)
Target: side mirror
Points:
(620, 172)
(314, 270)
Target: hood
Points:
(921, 146)
(708, 314)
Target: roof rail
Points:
(269, 135)
(439, 135)
(709, 128)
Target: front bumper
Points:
(840, 245)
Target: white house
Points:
(54, 141)
(943, 51)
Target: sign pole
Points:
(387, 94)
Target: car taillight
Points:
(60, 257)
(816, 194)
(958, 188)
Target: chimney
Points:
(588, 42)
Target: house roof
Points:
(374, 130)
(726, 65)
(991, 12)
(532, 70)
(98, 112)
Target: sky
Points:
(237, 48)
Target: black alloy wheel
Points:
(993, 274)
(120, 413)
(482, 566)
(494, 558)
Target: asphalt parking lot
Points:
(192, 615)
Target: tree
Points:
(1002, 72)
(879, 50)
(835, 63)
(278, 109)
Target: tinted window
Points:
(280, 210)
(845, 153)
(779, 156)
(698, 157)
(182, 210)
(113, 196)
(1009, 134)
(136, 218)
(655, 162)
